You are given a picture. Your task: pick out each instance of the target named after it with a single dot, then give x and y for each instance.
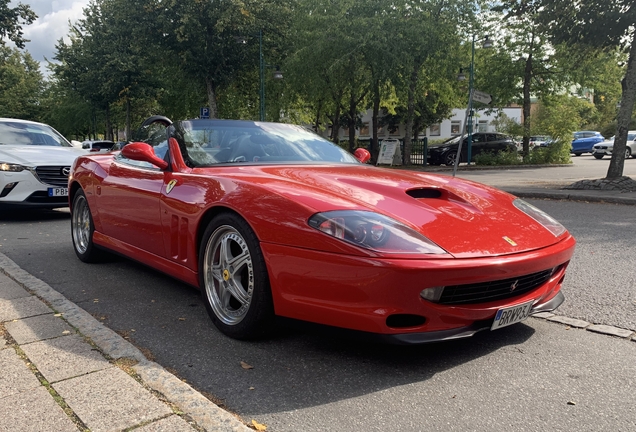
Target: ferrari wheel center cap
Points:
(226, 275)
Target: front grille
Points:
(494, 290)
(53, 175)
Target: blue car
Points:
(584, 142)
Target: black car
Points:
(482, 142)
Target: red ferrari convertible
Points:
(270, 220)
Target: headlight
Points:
(540, 216)
(373, 231)
(11, 167)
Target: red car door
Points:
(129, 204)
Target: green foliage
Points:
(504, 157)
(12, 20)
(21, 85)
(506, 125)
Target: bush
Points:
(505, 157)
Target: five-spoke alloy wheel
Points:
(233, 278)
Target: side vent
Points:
(424, 193)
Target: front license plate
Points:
(512, 315)
(58, 192)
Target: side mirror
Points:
(144, 153)
(362, 155)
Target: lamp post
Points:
(277, 74)
(468, 123)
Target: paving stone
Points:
(573, 322)
(110, 400)
(37, 328)
(174, 423)
(65, 357)
(3, 343)
(9, 289)
(22, 308)
(610, 330)
(33, 411)
(15, 377)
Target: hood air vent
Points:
(424, 193)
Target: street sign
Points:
(204, 113)
(482, 97)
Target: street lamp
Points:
(468, 123)
(277, 74)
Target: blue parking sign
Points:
(204, 113)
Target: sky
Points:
(50, 26)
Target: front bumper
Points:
(24, 190)
(364, 294)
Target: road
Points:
(533, 376)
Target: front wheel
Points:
(82, 230)
(234, 280)
(449, 160)
(628, 153)
(598, 156)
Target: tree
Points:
(21, 85)
(202, 36)
(12, 20)
(605, 25)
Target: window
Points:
(456, 127)
(483, 126)
(434, 130)
(364, 130)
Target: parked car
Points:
(269, 220)
(446, 152)
(35, 161)
(540, 141)
(584, 142)
(605, 148)
(98, 145)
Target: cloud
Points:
(51, 26)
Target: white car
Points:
(35, 161)
(605, 148)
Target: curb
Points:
(569, 195)
(204, 412)
(584, 325)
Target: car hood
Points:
(465, 218)
(39, 155)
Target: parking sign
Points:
(204, 113)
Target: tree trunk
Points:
(375, 147)
(211, 88)
(406, 156)
(335, 126)
(628, 84)
(527, 78)
(318, 115)
(128, 135)
(109, 130)
(353, 115)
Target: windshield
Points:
(28, 134)
(207, 142)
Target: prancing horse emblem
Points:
(514, 285)
(170, 185)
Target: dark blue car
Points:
(584, 142)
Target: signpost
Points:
(204, 113)
(482, 97)
(388, 149)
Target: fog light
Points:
(7, 188)
(432, 294)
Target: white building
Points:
(451, 127)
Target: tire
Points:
(599, 156)
(628, 152)
(82, 229)
(449, 159)
(578, 154)
(233, 279)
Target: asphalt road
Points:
(532, 376)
